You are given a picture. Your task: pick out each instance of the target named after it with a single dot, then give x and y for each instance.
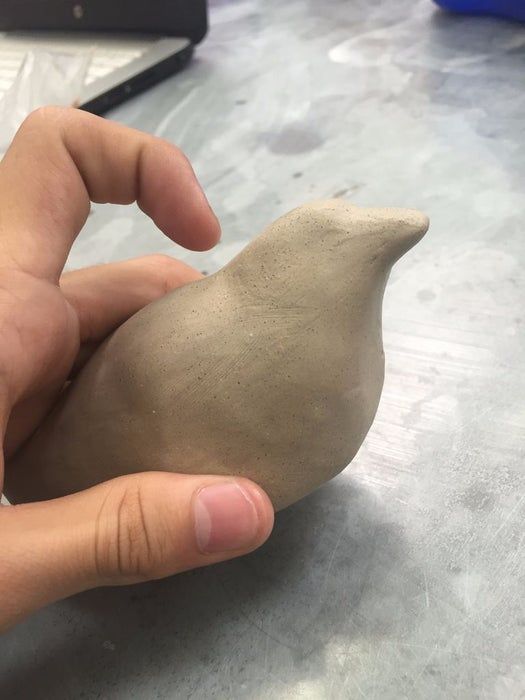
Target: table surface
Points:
(400, 578)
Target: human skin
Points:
(132, 528)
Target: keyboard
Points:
(107, 55)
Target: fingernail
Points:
(226, 518)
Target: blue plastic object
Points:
(510, 9)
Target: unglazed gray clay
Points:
(272, 368)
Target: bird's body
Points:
(271, 368)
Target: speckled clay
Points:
(271, 368)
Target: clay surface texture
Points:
(272, 368)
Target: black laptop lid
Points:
(184, 18)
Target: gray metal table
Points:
(401, 578)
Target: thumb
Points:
(130, 529)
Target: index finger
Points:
(61, 159)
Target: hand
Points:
(136, 527)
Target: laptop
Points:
(133, 43)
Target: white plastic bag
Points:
(44, 78)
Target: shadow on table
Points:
(326, 573)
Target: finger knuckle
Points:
(181, 160)
(130, 549)
(161, 264)
(43, 117)
(163, 270)
(176, 151)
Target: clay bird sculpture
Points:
(271, 368)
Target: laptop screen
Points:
(184, 18)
